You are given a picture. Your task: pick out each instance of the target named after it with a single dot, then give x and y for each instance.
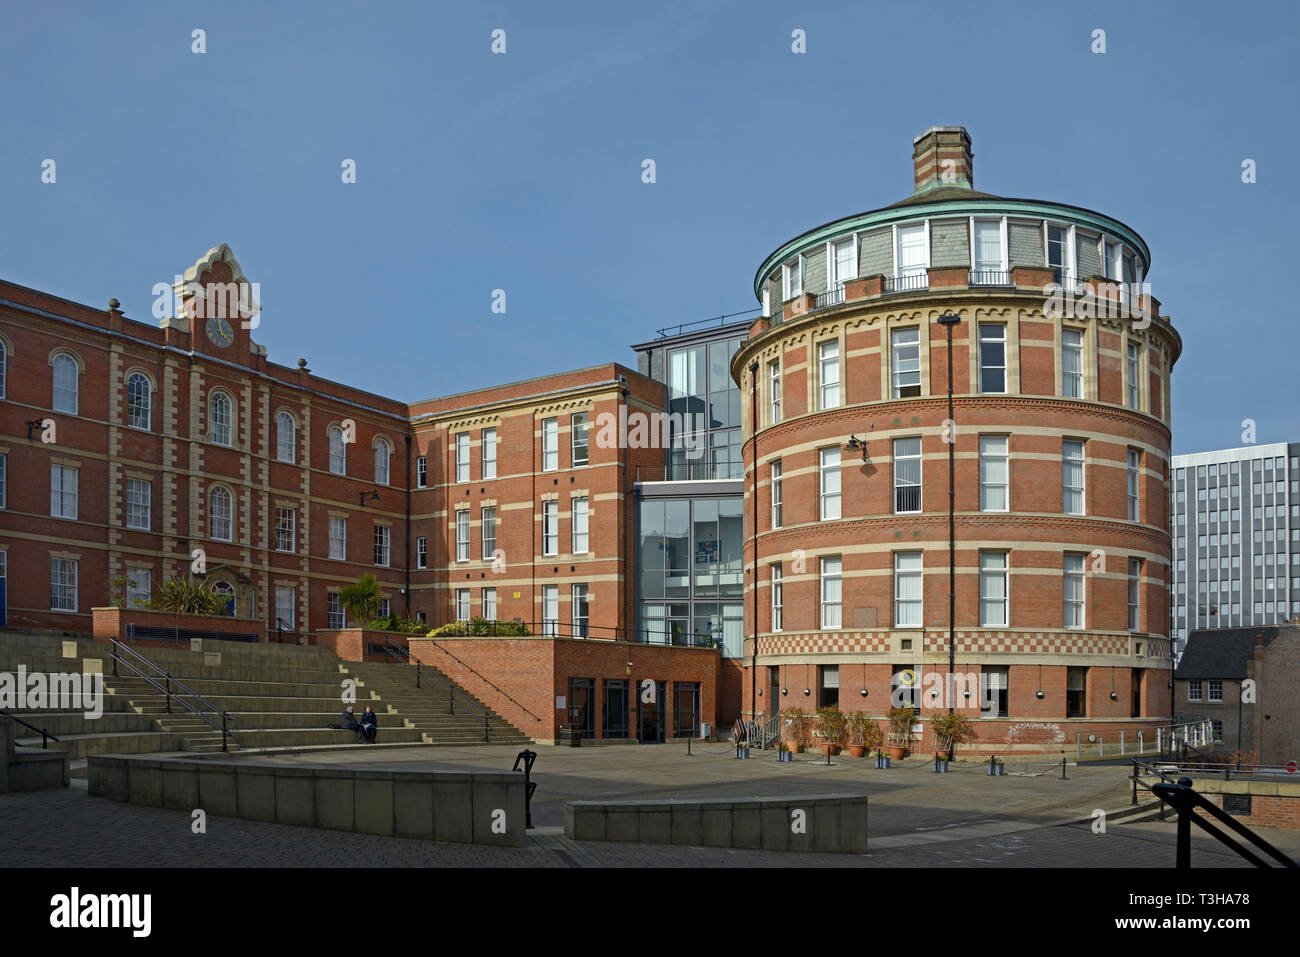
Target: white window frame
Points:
(829, 483)
(59, 587)
(135, 594)
(338, 450)
(286, 451)
(1066, 375)
(919, 458)
(1002, 266)
(791, 288)
(139, 501)
(995, 450)
(551, 610)
(1132, 375)
(909, 567)
(488, 521)
(774, 391)
(463, 609)
(335, 616)
(1070, 268)
(551, 444)
(462, 457)
(922, 269)
(221, 429)
(4, 480)
(896, 373)
(578, 523)
(777, 492)
(66, 398)
(225, 513)
(462, 534)
(995, 566)
(338, 543)
(1073, 571)
(286, 521)
(828, 392)
(550, 527)
(574, 462)
(383, 461)
(422, 471)
(1006, 372)
(579, 596)
(832, 591)
(488, 604)
(383, 546)
(488, 444)
(139, 414)
(1133, 484)
(835, 281)
(778, 584)
(1134, 594)
(64, 483)
(1067, 459)
(421, 552)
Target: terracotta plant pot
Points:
(857, 750)
(831, 749)
(896, 752)
(795, 747)
(944, 755)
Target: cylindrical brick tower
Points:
(1061, 443)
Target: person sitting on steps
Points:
(369, 726)
(349, 723)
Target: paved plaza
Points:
(916, 819)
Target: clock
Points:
(219, 332)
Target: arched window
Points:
(220, 511)
(139, 395)
(226, 591)
(286, 437)
(65, 384)
(4, 365)
(338, 451)
(220, 418)
(383, 456)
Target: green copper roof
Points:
(951, 201)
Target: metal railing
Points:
(283, 627)
(667, 332)
(990, 277)
(555, 628)
(134, 660)
(440, 684)
(181, 636)
(1189, 730)
(832, 297)
(1184, 799)
(46, 737)
(910, 283)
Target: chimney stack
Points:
(941, 157)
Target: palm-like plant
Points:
(187, 596)
(361, 601)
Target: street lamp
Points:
(854, 444)
(948, 320)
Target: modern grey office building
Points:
(1235, 522)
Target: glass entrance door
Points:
(649, 710)
(616, 708)
(582, 695)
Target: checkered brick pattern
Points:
(823, 643)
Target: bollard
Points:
(1062, 768)
(688, 746)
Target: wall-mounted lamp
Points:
(34, 425)
(806, 692)
(361, 497)
(863, 692)
(855, 444)
(784, 692)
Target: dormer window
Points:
(792, 278)
(988, 252)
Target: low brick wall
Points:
(1272, 803)
(112, 622)
(469, 807)
(354, 644)
(832, 823)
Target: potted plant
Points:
(996, 767)
(783, 754)
(949, 730)
(796, 729)
(901, 721)
(360, 602)
(832, 728)
(882, 759)
(864, 734)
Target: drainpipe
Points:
(753, 537)
(408, 526)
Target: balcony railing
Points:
(909, 283)
(832, 297)
(990, 277)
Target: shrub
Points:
(951, 729)
(480, 628)
(831, 725)
(863, 732)
(901, 721)
(361, 601)
(187, 596)
(798, 725)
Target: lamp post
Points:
(948, 320)
(753, 536)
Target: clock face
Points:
(219, 332)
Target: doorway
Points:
(582, 717)
(1136, 683)
(649, 710)
(773, 692)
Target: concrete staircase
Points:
(276, 696)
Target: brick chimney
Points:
(941, 157)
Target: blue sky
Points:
(522, 171)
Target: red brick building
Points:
(1060, 433)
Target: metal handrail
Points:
(281, 626)
(45, 735)
(166, 689)
(1183, 798)
(403, 656)
(485, 680)
(558, 629)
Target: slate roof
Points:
(1222, 652)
